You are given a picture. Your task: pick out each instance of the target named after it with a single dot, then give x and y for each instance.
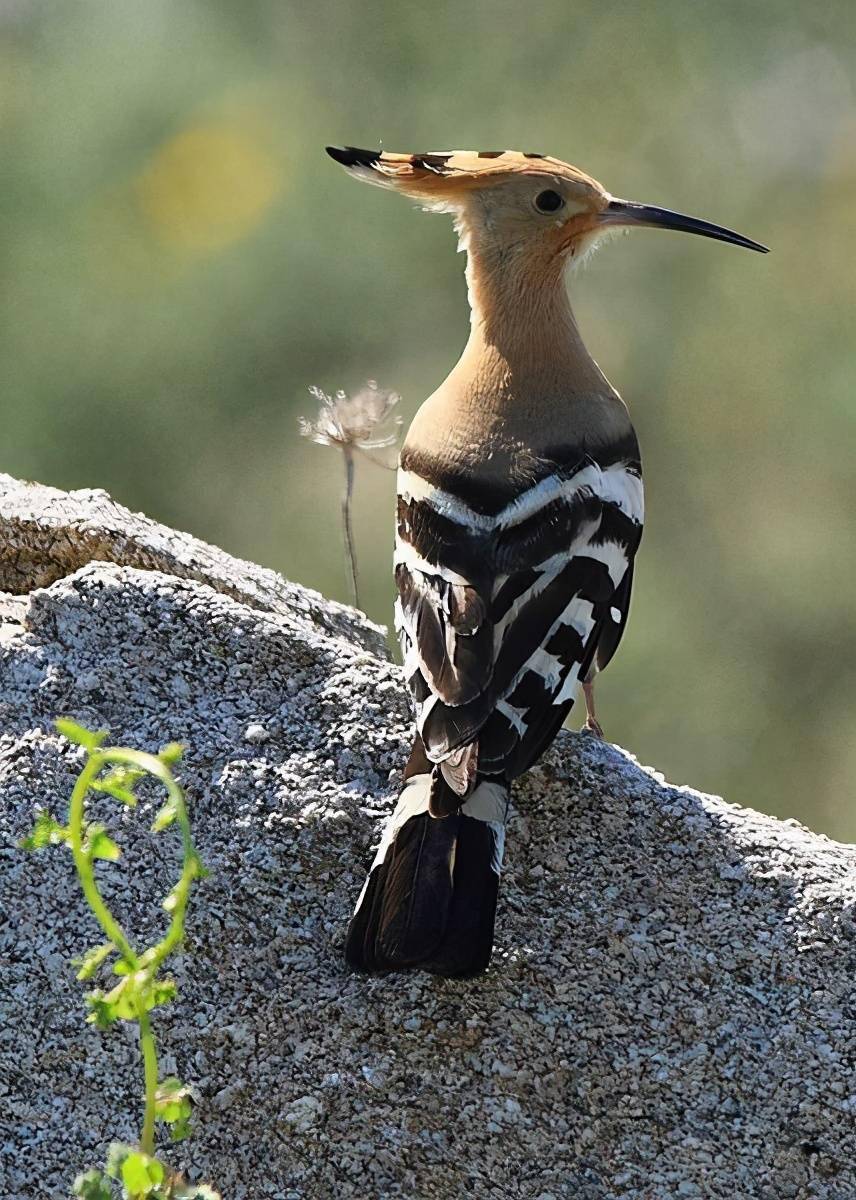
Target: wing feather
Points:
(500, 616)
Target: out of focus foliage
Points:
(180, 260)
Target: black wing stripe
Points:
(502, 612)
(466, 551)
(454, 662)
(530, 689)
(512, 589)
(616, 526)
(489, 497)
(582, 577)
(548, 532)
(438, 539)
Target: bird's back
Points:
(519, 512)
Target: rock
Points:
(48, 534)
(670, 1011)
(303, 1113)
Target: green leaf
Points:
(141, 1174)
(92, 1185)
(92, 960)
(103, 1012)
(171, 1088)
(161, 991)
(197, 866)
(120, 784)
(121, 1003)
(181, 1129)
(121, 794)
(47, 831)
(122, 967)
(171, 754)
(98, 844)
(165, 817)
(79, 734)
(174, 1106)
(117, 1152)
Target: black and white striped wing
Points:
(500, 613)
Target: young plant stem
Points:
(84, 864)
(150, 1072)
(115, 771)
(348, 492)
(97, 760)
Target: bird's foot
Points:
(593, 727)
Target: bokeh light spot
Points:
(208, 186)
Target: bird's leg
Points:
(592, 724)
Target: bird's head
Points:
(509, 203)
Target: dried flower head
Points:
(366, 421)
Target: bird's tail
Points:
(430, 898)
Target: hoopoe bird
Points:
(519, 517)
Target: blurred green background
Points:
(180, 261)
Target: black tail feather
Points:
(417, 891)
(468, 944)
(430, 899)
(360, 950)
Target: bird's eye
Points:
(549, 201)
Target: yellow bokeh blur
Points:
(208, 186)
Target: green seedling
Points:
(116, 771)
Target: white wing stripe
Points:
(614, 485)
(579, 615)
(547, 665)
(412, 487)
(569, 688)
(514, 715)
(613, 556)
(407, 556)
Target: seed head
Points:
(366, 421)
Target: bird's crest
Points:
(433, 176)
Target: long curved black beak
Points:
(625, 212)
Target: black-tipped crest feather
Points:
(350, 156)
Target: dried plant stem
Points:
(347, 527)
(367, 422)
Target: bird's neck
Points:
(525, 388)
(523, 332)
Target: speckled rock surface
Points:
(46, 534)
(671, 1008)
